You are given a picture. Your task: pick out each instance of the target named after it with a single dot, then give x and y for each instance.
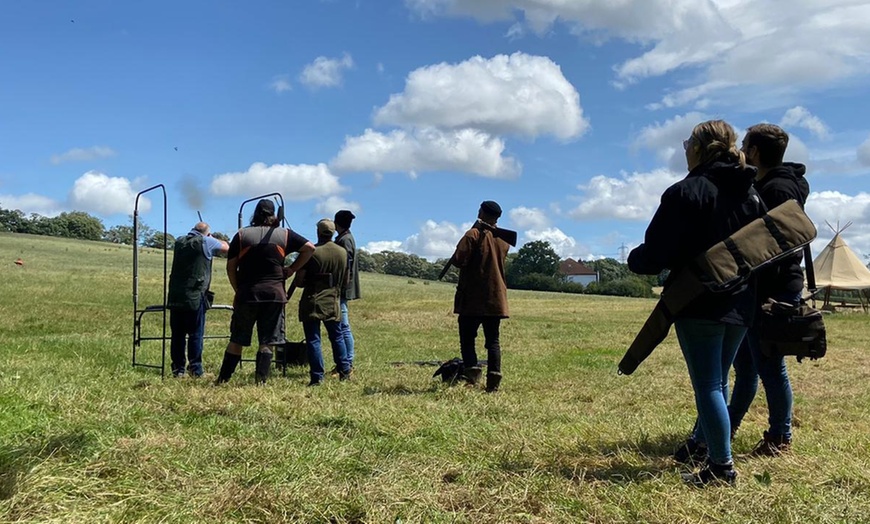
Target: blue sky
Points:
(569, 113)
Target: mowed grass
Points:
(84, 437)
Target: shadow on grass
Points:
(401, 389)
(15, 460)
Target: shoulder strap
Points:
(811, 272)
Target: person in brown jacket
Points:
(481, 295)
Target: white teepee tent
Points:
(838, 267)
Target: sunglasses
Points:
(686, 143)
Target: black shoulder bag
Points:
(788, 329)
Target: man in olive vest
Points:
(188, 284)
(351, 290)
(323, 279)
(255, 268)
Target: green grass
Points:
(84, 437)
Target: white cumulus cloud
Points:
(836, 208)
(518, 94)
(400, 151)
(666, 139)
(96, 192)
(83, 154)
(725, 43)
(384, 245)
(629, 197)
(796, 151)
(31, 203)
(294, 182)
(800, 116)
(331, 204)
(325, 72)
(528, 218)
(564, 245)
(280, 84)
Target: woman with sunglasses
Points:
(713, 201)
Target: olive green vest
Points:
(190, 274)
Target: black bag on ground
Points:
(450, 371)
(789, 329)
(291, 354)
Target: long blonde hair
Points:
(717, 140)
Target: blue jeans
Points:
(709, 348)
(315, 355)
(187, 328)
(345, 331)
(773, 375)
(745, 385)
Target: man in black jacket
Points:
(776, 182)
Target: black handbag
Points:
(794, 329)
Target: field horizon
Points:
(85, 437)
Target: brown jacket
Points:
(482, 290)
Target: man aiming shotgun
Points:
(481, 294)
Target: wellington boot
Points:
(472, 375)
(493, 380)
(228, 367)
(264, 365)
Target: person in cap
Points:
(481, 294)
(189, 281)
(351, 289)
(256, 271)
(323, 279)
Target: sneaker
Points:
(195, 373)
(771, 446)
(344, 377)
(691, 452)
(178, 374)
(334, 372)
(712, 474)
(315, 382)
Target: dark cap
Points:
(344, 217)
(265, 207)
(491, 208)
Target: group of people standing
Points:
(326, 271)
(726, 188)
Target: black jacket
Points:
(782, 183)
(712, 202)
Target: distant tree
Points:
(534, 258)
(609, 269)
(404, 265)
(366, 261)
(159, 241)
(12, 220)
(221, 236)
(452, 274)
(78, 224)
(119, 235)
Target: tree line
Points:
(83, 226)
(534, 267)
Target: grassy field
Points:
(84, 437)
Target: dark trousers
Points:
(468, 326)
(187, 327)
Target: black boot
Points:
(722, 474)
(691, 452)
(493, 380)
(472, 375)
(228, 367)
(264, 365)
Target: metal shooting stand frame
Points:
(155, 308)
